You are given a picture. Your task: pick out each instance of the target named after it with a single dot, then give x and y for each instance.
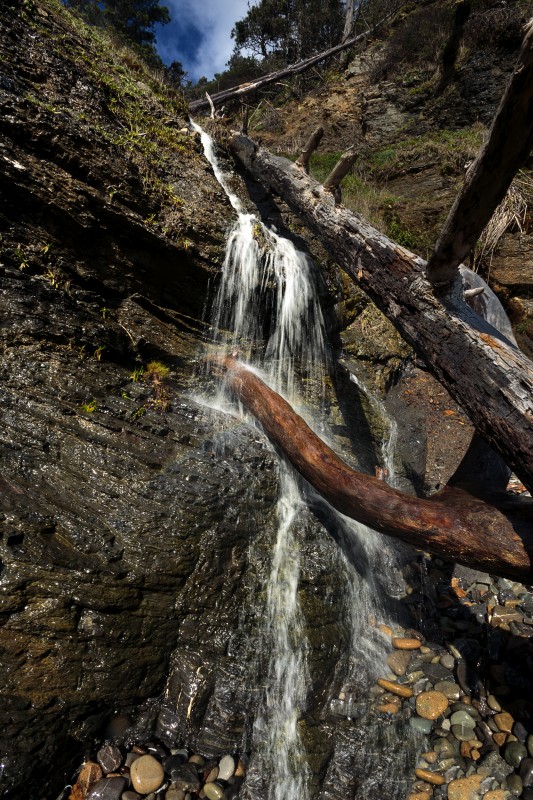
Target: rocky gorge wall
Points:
(127, 512)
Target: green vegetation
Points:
(89, 407)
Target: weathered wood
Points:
(310, 147)
(339, 171)
(509, 144)
(487, 375)
(452, 524)
(286, 72)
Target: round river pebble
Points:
(146, 774)
(431, 705)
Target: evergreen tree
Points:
(134, 19)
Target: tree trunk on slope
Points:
(485, 373)
(453, 523)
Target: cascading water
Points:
(267, 294)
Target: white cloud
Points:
(215, 20)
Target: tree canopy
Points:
(134, 19)
(289, 29)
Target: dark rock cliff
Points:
(126, 520)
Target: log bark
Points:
(495, 536)
(509, 144)
(486, 373)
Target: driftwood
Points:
(286, 72)
(493, 534)
(485, 372)
(509, 144)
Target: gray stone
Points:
(463, 733)
(421, 725)
(462, 718)
(186, 777)
(109, 758)
(514, 785)
(526, 771)
(448, 661)
(493, 764)
(514, 753)
(448, 688)
(108, 789)
(529, 744)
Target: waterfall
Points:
(267, 310)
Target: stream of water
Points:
(267, 310)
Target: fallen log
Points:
(493, 534)
(508, 146)
(294, 69)
(484, 372)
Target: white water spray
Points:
(267, 293)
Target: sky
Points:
(199, 34)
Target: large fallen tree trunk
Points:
(495, 535)
(487, 375)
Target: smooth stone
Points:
(173, 763)
(226, 768)
(129, 795)
(109, 758)
(213, 791)
(180, 751)
(514, 785)
(529, 744)
(146, 774)
(493, 703)
(186, 777)
(175, 794)
(430, 777)
(526, 771)
(462, 733)
(421, 725)
(514, 753)
(406, 644)
(212, 775)
(520, 731)
(445, 748)
(436, 672)
(395, 688)
(462, 718)
(388, 708)
(450, 689)
(130, 758)
(198, 760)
(108, 789)
(398, 661)
(504, 721)
(497, 794)
(464, 788)
(88, 776)
(431, 705)
(447, 660)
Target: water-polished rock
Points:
(226, 768)
(398, 661)
(529, 744)
(462, 718)
(89, 775)
(213, 791)
(146, 774)
(431, 705)
(420, 725)
(173, 763)
(462, 733)
(110, 758)
(464, 788)
(514, 753)
(435, 778)
(401, 643)
(108, 789)
(186, 777)
(130, 795)
(175, 794)
(449, 688)
(395, 688)
(514, 785)
(526, 771)
(504, 721)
